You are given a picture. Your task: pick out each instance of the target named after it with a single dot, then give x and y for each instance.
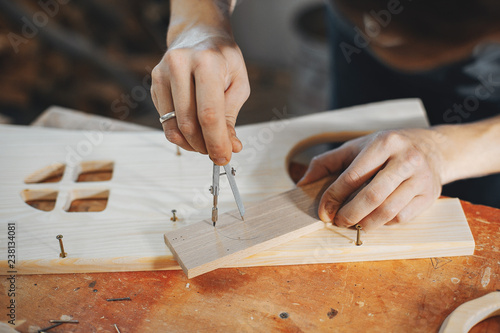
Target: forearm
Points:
(469, 150)
(188, 14)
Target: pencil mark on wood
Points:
(440, 262)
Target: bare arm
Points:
(471, 150)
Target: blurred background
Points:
(97, 56)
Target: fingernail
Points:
(327, 212)
(220, 161)
(329, 207)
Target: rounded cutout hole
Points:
(87, 200)
(49, 174)
(41, 199)
(487, 325)
(302, 153)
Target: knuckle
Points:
(316, 161)
(173, 57)
(187, 129)
(207, 57)
(208, 117)
(403, 172)
(388, 213)
(175, 61)
(373, 196)
(391, 139)
(174, 136)
(415, 158)
(400, 218)
(352, 177)
(158, 75)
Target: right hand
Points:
(203, 78)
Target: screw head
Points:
(174, 211)
(59, 236)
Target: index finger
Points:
(210, 87)
(362, 168)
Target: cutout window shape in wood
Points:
(41, 199)
(80, 200)
(87, 200)
(49, 174)
(301, 154)
(94, 171)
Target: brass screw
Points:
(62, 254)
(358, 235)
(173, 218)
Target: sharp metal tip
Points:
(242, 218)
(214, 223)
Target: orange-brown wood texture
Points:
(386, 296)
(390, 296)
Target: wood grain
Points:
(201, 247)
(467, 315)
(384, 296)
(287, 226)
(149, 180)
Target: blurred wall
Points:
(264, 30)
(267, 32)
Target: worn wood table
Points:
(388, 296)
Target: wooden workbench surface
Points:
(388, 296)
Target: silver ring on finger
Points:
(167, 116)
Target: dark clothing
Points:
(460, 92)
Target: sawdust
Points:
(485, 280)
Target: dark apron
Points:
(460, 92)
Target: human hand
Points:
(203, 78)
(385, 177)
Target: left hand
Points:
(401, 171)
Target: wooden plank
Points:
(59, 117)
(201, 247)
(287, 226)
(413, 295)
(149, 180)
(467, 315)
(440, 231)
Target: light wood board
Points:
(200, 248)
(467, 315)
(149, 180)
(291, 217)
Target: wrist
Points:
(446, 142)
(191, 18)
